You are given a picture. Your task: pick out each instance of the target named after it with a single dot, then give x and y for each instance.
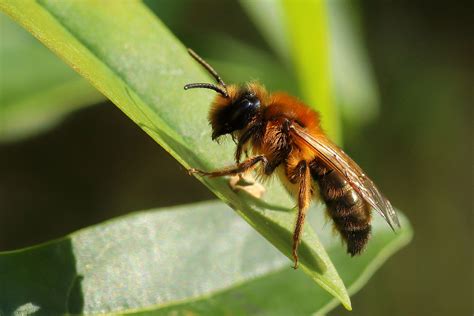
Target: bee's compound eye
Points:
(245, 103)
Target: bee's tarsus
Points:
(295, 258)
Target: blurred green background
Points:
(415, 132)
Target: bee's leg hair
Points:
(304, 198)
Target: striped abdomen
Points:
(350, 213)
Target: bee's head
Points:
(235, 112)
(234, 107)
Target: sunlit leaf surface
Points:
(200, 258)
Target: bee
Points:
(285, 138)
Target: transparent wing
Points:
(338, 160)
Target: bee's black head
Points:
(233, 113)
(234, 107)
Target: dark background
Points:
(97, 164)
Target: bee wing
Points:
(338, 160)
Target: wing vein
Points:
(338, 160)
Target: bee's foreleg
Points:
(304, 198)
(242, 167)
(244, 139)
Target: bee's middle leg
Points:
(242, 167)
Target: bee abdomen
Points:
(350, 213)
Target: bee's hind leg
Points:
(242, 167)
(304, 198)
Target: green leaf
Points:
(354, 85)
(146, 259)
(242, 63)
(198, 258)
(37, 89)
(333, 26)
(307, 24)
(357, 271)
(269, 16)
(289, 292)
(303, 34)
(130, 56)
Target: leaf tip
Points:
(346, 301)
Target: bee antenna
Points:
(207, 86)
(207, 66)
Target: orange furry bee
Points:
(285, 135)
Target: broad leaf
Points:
(192, 259)
(146, 259)
(128, 55)
(289, 292)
